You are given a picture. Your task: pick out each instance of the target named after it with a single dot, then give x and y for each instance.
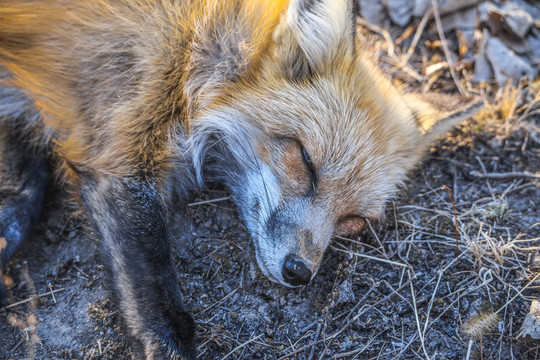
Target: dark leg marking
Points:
(23, 182)
(130, 220)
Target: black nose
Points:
(295, 272)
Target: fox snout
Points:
(295, 271)
(291, 242)
(299, 265)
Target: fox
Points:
(134, 103)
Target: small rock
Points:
(346, 293)
(446, 7)
(372, 11)
(459, 20)
(518, 20)
(420, 7)
(400, 11)
(519, 46)
(505, 63)
(510, 17)
(533, 42)
(530, 7)
(482, 70)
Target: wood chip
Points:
(531, 325)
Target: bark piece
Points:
(530, 330)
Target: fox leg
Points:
(130, 219)
(23, 181)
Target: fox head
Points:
(310, 138)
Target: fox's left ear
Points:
(312, 35)
(436, 114)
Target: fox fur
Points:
(138, 99)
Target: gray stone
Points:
(373, 11)
(400, 11)
(505, 63)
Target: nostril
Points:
(288, 274)
(295, 272)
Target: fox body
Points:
(139, 99)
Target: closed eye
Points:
(309, 165)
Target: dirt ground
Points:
(396, 292)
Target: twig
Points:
(331, 301)
(99, 347)
(317, 334)
(16, 346)
(469, 349)
(519, 293)
(430, 306)
(529, 107)
(439, 277)
(362, 300)
(420, 333)
(324, 351)
(506, 175)
(446, 50)
(217, 303)
(241, 346)
(51, 289)
(381, 31)
(32, 298)
(395, 60)
(370, 257)
(209, 201)
(481, 163)
(417, 36)
(376, 237)
(455, 218)
(359, 350)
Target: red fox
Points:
(137, 99)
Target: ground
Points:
(405, 289)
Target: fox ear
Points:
(436, 114)
(312, 34)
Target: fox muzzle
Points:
(295, 272)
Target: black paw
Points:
(178, 337)
(170, 336)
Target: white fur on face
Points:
(258, 196)
(255, 187)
